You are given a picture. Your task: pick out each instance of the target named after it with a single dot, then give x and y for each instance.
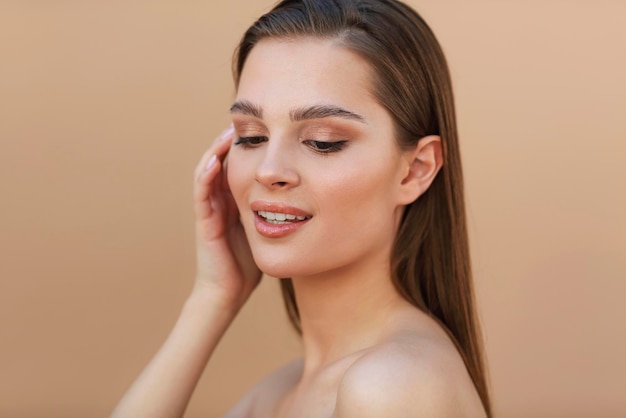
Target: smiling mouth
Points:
(276, 218)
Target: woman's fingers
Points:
(220, 147)
(207, 173)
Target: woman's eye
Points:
(250, 141)
(323, 147)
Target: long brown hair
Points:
(430, 262)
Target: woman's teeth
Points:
(280, 218)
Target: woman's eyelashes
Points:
(250, 141)
(325, 147)
(320, 147)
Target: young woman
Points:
(343, 178)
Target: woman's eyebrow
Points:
(247, 108)
(322, 111)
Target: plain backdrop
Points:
(106, 107)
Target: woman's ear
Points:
(422, 164)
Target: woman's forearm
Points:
(165, 386)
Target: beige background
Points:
(105, 108)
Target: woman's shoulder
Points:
(411, 373)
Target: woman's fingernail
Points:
(211, 163)
(227, 133)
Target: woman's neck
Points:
(344, 311)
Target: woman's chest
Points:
(312, 401)
(314, 397)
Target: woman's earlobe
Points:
(424, 162)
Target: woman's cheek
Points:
(234, 174)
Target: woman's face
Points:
(314, 167)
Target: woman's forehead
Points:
(301, 72)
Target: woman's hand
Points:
(224, 260)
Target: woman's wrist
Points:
(212, 298)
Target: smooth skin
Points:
(367, 352)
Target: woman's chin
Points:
(278, 272)
(281, 269)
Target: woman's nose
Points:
(277, 169)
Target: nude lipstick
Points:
(276, 220)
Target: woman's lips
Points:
(275, 220)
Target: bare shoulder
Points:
(407, 376)
(264, 394)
